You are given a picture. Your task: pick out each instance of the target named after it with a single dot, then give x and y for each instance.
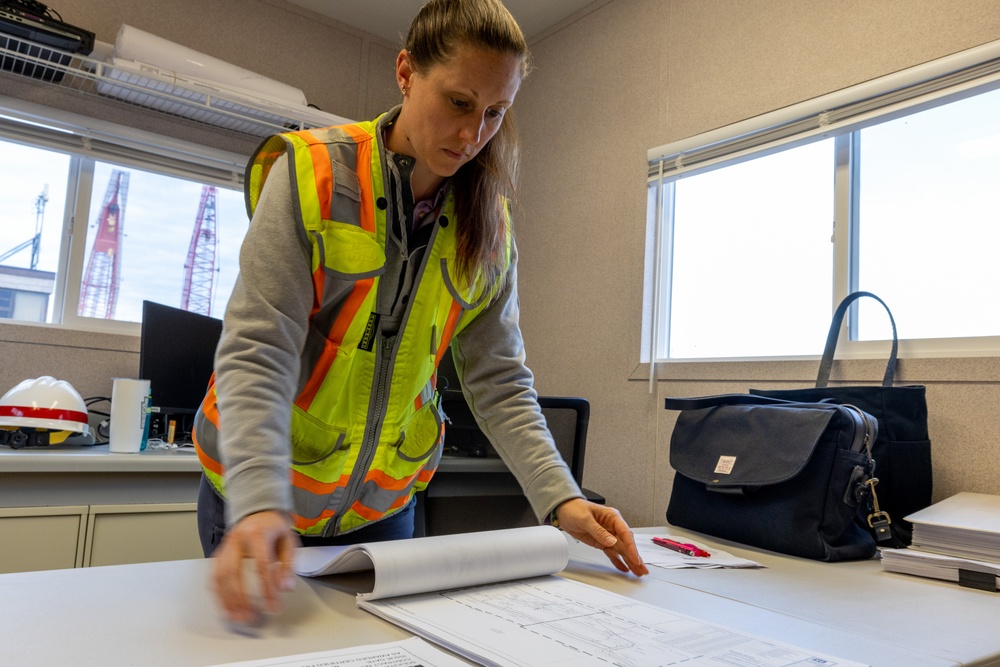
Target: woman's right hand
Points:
(268, 540)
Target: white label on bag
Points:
(725, 465)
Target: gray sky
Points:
(160, 214)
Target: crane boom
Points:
(99, 291)
(199, 268)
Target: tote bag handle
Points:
(826, 364)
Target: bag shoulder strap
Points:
(826, 364)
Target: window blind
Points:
(67, 133)
(966, 73)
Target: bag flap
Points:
(733, 447)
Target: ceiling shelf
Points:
(141, 85)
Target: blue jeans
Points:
(212, 524)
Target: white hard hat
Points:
(44, 403)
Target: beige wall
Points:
(628, 75)
(620, 77)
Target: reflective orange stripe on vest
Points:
(364, 143)
(332, 344)
(209, 410)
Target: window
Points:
(6, 302)
(927, 215)
(756, 231)
(32, 202)
(96, 218)
(173, 230)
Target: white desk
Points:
(942, 622)
(161, 613)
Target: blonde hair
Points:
(484, 185)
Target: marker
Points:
(681, 547)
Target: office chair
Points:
(493, 500)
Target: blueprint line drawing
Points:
(554, 621)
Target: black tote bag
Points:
(902, 450)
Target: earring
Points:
(402, 89)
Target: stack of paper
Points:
(957, 539)
(935, 566)
(967, 524)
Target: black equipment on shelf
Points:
(42, 39)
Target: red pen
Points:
(681, 547)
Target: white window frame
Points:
(87, 140)
(837, 114)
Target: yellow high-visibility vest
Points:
(366, 428)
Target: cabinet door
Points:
(41, 538)
(119, 534)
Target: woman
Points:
(373, 248)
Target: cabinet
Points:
(119, 534)
(65, 507)
(42, 538)
(49, 538)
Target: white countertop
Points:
(96, 458)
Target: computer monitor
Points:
(176, 355)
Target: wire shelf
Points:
(146, 86)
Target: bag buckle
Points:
(878, 520)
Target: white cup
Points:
(129, 415)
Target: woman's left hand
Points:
(602, 527)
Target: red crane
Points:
(199, 269)
(99, 291)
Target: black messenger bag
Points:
(902, 451)
(779, 475)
